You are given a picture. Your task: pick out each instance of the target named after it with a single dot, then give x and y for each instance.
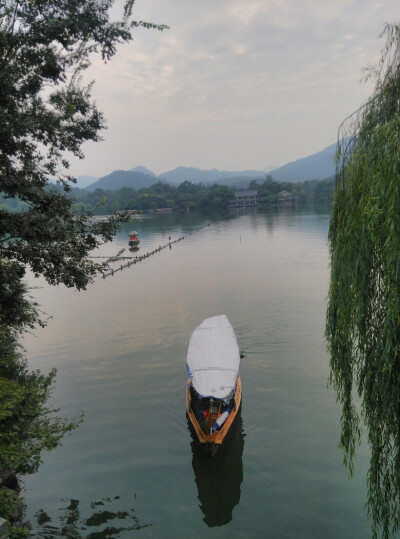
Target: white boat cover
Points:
(213, 358)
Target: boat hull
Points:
(212, 441)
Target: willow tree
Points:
(363, 316)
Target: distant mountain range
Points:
(180, 174)
(123, 178)
(137, 179)
(316, 166)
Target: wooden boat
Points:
(133, 239)
(214, 389)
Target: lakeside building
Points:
(287, 199)
(244, 199)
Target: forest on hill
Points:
(187, 195)
(318, 165)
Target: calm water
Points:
(120, 350)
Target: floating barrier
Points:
(136, 259)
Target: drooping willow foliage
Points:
(363, 316)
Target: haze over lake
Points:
(120, 351)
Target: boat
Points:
(133, 239)
(214, 388)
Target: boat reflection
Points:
(219, 478)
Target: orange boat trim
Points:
(218, 436)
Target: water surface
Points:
(120, 350)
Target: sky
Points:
(233, 84)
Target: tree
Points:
(323, 191)
(28, 425)
(220, 196)
(254, 185)
(45, 114)
(363, 316)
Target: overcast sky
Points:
(234, 84)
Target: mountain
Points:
(239, 182)
(181, 174)
(123, 178)
(144, 170)
(140, 177)
(319, 165)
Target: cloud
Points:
(272, 78)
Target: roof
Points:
(133, 233)
(248, 193)
(213, 358)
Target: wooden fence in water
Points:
(132, 260)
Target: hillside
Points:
(144, 170)
(140, 177)
(196, 175)
(123, 178)
(316, 166)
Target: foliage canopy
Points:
(46, 114)
(28, 425)
(363, 317)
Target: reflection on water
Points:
(219, 478)
(102, 522)
(119, 350)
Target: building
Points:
(287, 199)
(244, 199)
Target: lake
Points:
(132, 467)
